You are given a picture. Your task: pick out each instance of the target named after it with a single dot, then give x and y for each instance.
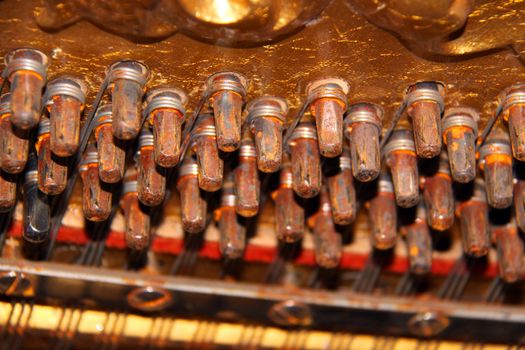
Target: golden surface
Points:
(340, 43)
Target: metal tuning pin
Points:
(341, 189)
(36, 209)
(232, 230)
(111, 151)
(460, 131)
(66, 98)
(363, 130)
(439, 196)
(495, 160)
(425, 103)
(514, 114)
(7, 191)
(127, 79)
(165, 108)
(474, 220)
(401, 158)
(510, 252)
(328, 104)
(96, 196)
(27, 73)
(247, 183)
(136, 215)
(419, 243)
(306, 160)
(266, 118)
(193, 205)
(289, 212)
(327, 241)
(227, 94)
(14, 142)
(204, 144)
(151, 179)
(52, 171)
(382, 214)
(519, 203)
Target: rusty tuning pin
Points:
(510, 252)
(401, 158)
(7, 191)
(151, 179)
(165, 108)
(204, 144)
(519, 203)
(232, 230)
(266, 118)
(227, 94)
(419, 243)
(474, 219)
(96, 196)
(460, 131)
(289, 212)
(514, 114)
(136, 215)
(27, 73)
(495, 160)
(363, 130)
(247, 183)
(52, 170)
(438, 196)
(36, 209)
(382, 213)
(327, 241)
(341, 189)
(65, 101)
(425, 103)
(127, 79)
(328, 104)
(193, 205)
(14, 142)
(306, 160)
(111, 151)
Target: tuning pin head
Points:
(247, 184)
(439, 197)
(36, 209)
(136, 215)
(519, 203)
(496, 163)
(328, 104)
(14, 142)
(227, 94)
(289, 212)
(382, 214)
(27, 72)
(363, 129)
(111, 151)
(231, 228)
(193, 205)
(127, 79)
(460, 130)
(66, 97)
(400, 153)
(96, 197)
(204, 140)
(419, 243)
(510, 252)
(425, 104)
(151, 179)
(474, 219)
(306, 162)
(165, 108)
(52, 171)
(341, 190)
(514, 114)
(266, 118)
